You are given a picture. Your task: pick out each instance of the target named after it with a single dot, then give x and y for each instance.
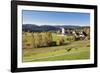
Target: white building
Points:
(62, 31)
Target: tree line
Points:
(35, 40)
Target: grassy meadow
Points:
(70, 50)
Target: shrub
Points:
(71, 38)
(59, 42)
(53, 43)
(88, 45)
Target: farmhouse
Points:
(79, 35)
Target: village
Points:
(79, 34)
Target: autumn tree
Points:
(37, 41)
(49, 38)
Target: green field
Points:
(76, 50)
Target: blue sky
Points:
(55, 18)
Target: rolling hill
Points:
(43, 28)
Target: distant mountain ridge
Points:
(43, 28)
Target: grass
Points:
(74, 51)
(70, 56)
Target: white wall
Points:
(5, 37)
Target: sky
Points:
(55, 18)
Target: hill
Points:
(43, 28)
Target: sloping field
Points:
(74, 51)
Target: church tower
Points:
(63, 31)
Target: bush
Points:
(88, 37)
(71, 38)
(87, 45)
(59, 42)
(53, 43)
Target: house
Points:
(79, 35)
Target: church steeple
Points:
(62, 31)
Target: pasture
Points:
(75, 50)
